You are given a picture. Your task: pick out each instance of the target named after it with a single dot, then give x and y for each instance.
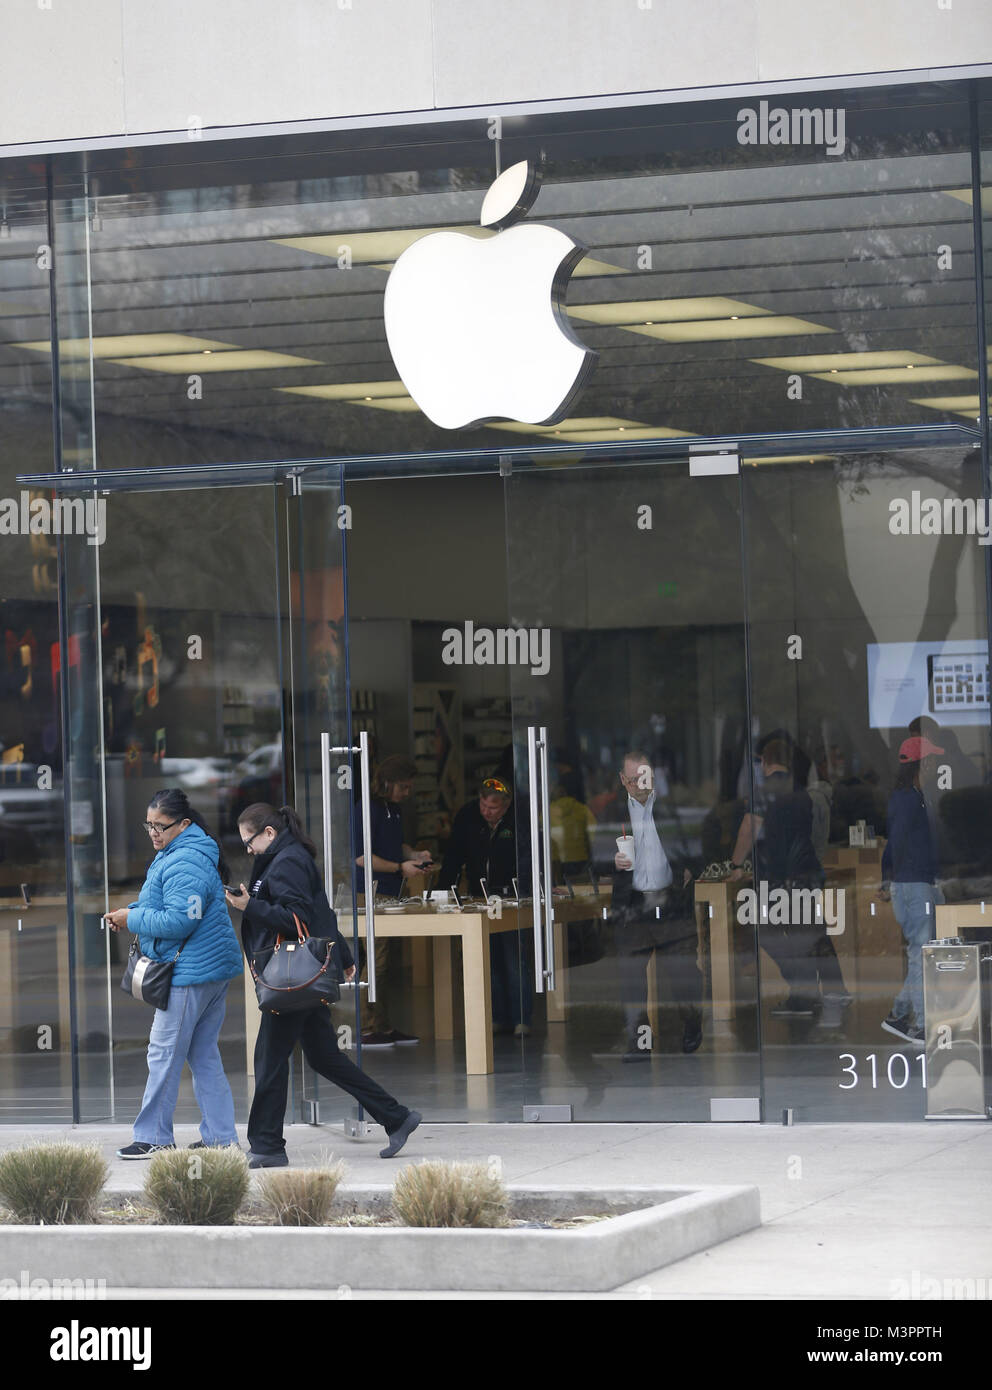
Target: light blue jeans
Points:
(187, 1031)
(915, 907)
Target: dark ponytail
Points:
(261, 815)
(174, 802)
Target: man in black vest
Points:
(484, 843)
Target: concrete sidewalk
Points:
(849, 1211)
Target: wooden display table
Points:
(955, 918)
(722, 939)
(473, 929)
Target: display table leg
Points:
(478, 997)
(444, 1014)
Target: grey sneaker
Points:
(267, 1160)
(399, 1136)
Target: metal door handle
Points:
(363, 742)
(366, 784)
(325, 795)
(535, 861)
(549, 935)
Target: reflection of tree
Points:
(799, 544)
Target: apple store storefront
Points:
(611, 473)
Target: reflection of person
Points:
(571, 823)
(181, 908)
(652, 912)
(780, 833)
(285, 881)
(392, 862)
(909, 872)
(484, 843)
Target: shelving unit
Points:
(439, 787)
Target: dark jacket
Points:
(284, 881)
(485, 853)
(784, 851)
(910, 855)
(642, 929)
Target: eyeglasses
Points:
(156, 829)
(493, 784)
(247, 843)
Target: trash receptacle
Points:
(956, 1003)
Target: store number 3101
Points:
(898, 1070)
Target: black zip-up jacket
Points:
(286, 880)
(489, 853)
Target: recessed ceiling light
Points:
(955, 403)
(129, 345)
(348, 390)
(726, 330)
(623, 313)
(607, 423)
(826, 361)
(238, 360)
(398, 403)
(381, 249)
(887, 376)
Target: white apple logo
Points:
(477, 328)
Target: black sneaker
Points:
(400, 1039)
(378, 1040)
(201, 1145)
(143, 1150)
(267, 1160)
(916, 1036)
(794, 1007)
(899, 1025)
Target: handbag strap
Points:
(302, 934)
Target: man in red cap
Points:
(909, 872)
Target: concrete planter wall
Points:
(667, 1225)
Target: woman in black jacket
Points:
(285, 880)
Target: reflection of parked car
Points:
(30, 816)
(256, 778)
(192, 773)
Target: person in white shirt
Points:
(652, 914)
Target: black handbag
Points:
(149, 981)
(296, 975)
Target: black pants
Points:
(803, 951)
(636, 935)
(278, 1034)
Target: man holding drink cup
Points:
(651, 912)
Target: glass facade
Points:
(229, 529)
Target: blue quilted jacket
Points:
(182, 896)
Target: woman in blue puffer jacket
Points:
(182, 905)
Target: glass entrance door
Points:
(635, 987)
(209, 632)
